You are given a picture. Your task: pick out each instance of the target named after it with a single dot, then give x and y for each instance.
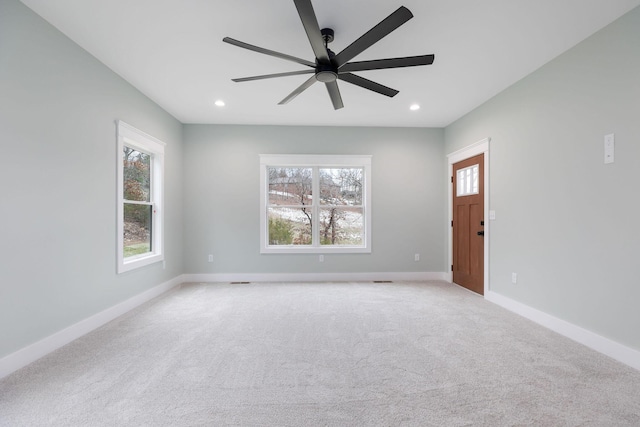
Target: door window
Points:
(467, 181)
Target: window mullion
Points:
(137, 202)
(315, 211)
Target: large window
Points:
(315, 203)
(140, 189)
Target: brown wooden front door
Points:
(468, 223)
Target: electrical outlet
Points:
(321, 259)
(514, 278)
(416, 257)
(210, 258)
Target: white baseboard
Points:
(35, 351)
(314, 277)
(606, 346)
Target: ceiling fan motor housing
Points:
(326, 76)
(326, 73)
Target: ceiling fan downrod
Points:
(326, 73)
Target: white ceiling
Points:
(172, 51)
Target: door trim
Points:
(480, 147)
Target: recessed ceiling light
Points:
(220, 103)
(414, 107)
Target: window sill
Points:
(139, 261)
(315, 250)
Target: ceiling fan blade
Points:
(334, 93)
(367, 84)
(268, 52)
(270, 76)
(299, 90)
(378, 64)
(310, 24)
(375, 34)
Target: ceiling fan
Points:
(330, 67)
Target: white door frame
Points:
(480, 147)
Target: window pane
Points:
(289, 226)
(341, 226)
(289, 186)
(137, 229)
(341, 186)
(467, 181)
(137, 175)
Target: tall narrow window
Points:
(140, 189)
(315, 204)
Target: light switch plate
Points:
(609, 148)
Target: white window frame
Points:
(314, 161)
(129, 136)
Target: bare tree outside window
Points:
(341, 221)
(291, 206)
(290, 201)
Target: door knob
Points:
(480, 233)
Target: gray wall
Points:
(566, 222)
(58, 176)
(222, 195)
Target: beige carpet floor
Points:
(321, 354)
